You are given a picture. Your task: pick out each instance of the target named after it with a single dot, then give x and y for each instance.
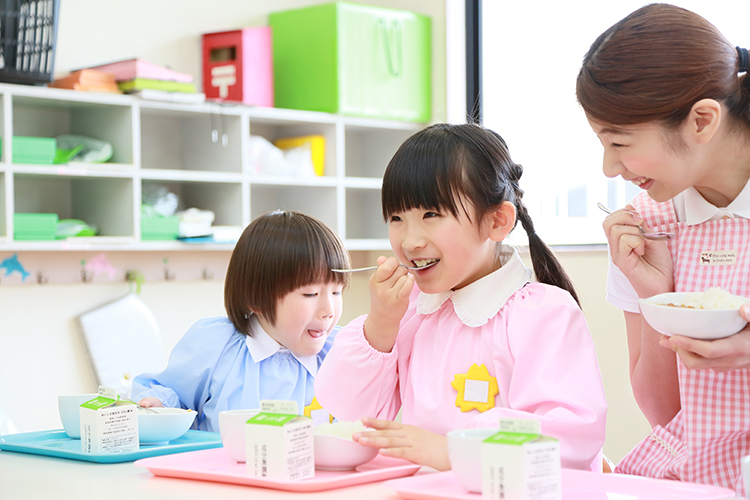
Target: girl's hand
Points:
(390, 287)
(646, 263)
(406, 441)
(150, 402)
(721, 355)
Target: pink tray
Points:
(576, 485)
(215, 465)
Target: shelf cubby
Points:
(364, 219)
(192, 141)
(36, 117)
(320, 202)
(224, 199)
(104, 202)
(368, 150)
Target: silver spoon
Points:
(375, 267)
(658, 236)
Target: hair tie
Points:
(744, 64)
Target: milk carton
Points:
(519, 463)
(279, 443)
(108, 425)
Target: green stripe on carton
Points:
(511, 438)
(276, 419)
(98, 403)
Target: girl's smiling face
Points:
(305, 317)
(641, 154)
(465, 252)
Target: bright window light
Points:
(532, 52)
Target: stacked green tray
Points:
(27, 226)
(39, 150)
(160, 228)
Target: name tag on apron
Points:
(718, 257)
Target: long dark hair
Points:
(441, 166)
(277, 253)
(657, 62)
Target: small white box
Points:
(108, 425)
(280, 447)
(521, 466)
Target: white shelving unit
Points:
(158, 144)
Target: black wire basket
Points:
(28, 34)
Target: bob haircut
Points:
(655, 64)
(278, 253)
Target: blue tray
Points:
(57, 444)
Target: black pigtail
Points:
(547, 268)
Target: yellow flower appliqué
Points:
(316, 412)
(476, 389)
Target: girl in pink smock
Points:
(471, 338)
(669, 98)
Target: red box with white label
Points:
(238, 66)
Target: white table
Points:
(30, 477)
(25, 477)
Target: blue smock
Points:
(215, 368)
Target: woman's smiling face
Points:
(642, 155)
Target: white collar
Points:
(697, 210)
(477, 302)
(262, 346)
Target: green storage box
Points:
(160, 228)
(34, 226)
(353, 59)
(33, 149)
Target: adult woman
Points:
(669, 98)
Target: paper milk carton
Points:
(519, 463)
(280, 443)
(109, 425)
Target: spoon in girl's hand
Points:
(375, 267)
(649, 236)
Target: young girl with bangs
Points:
(669, 98)
(470, 338)
(283, 303)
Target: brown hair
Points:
(277, 253)
(440, 167)
(657, 62)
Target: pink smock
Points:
(706, 440)
(531, 337)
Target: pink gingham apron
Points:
(706, 439)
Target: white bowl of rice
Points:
(335, 449)
(712, 314)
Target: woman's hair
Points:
(444, 166)
(276, 254)
(657, 62)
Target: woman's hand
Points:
(646, 263)
(390, 287)
(150, 402)
(721, 355)
(406, 441)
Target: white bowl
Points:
(69, 407)
(465, 455)
(232, 430)
(337, 453)
(166, 425)
(703, 324)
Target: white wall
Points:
(168, 32)
(41, 348)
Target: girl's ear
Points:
(704, 120)
(501, 221)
